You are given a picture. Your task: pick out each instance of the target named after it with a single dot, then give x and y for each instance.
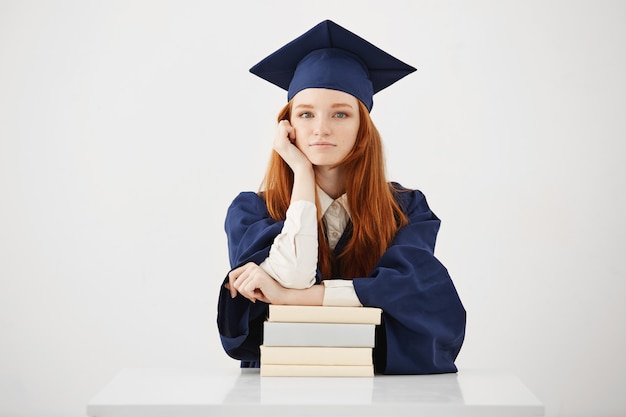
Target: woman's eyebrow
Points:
(341, 105)
(334, 106)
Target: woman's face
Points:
(326, 123)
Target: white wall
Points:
(127, 127)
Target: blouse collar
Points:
(326, 201)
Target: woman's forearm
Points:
(303, 184)
(313, 296)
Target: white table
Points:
(238, 393)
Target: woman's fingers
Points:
(232, 277)
(236, 278)
(251, 281)
(285, 136)
(285, 146)
(243, 280)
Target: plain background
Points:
(126, 128)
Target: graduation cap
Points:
(330, 56)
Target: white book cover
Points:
(318, 334)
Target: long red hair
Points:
(375, 214)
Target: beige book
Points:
(324, 314)
(318, 370)
(305, 355)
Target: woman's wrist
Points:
(303, 184)
(313, 296)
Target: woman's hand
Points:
(304, 176)
(251, 281)
(284, 144)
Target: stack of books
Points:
(319, 341)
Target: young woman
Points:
(327, 228)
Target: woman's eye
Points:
(341, 115)
(306, 115)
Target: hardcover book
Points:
(308, 355)
(324, 314)
(318, 334)
(318, 370)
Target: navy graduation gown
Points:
(423, 324)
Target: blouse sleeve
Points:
(340, 292)
(292, 260)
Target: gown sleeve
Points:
(423, 318)
(250, 231)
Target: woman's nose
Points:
(322, 127)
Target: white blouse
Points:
(292, 260)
